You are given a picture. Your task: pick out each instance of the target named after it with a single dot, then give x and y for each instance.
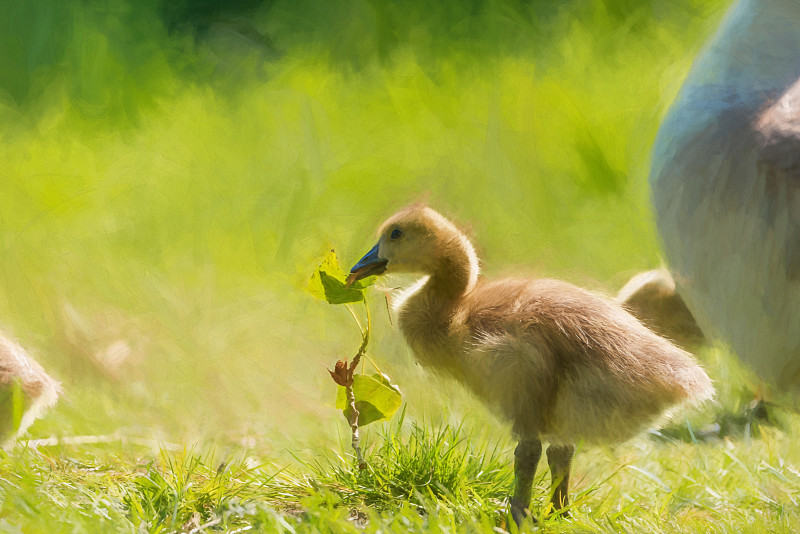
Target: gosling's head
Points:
(416, 239)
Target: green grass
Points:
(169, 184)
(420, 479)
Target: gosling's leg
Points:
(559, 457)
(526, 458)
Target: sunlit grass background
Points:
(172, 172)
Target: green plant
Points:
(363, 399)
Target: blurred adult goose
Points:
(726, 187)
(26, 390)
(560, 363)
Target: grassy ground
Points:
(170, 178)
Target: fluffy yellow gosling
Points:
(561, 364)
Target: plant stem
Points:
(367, 330)
(355, 318)
(353, 420)
(351, 398)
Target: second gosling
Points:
(39, 391)
(560, 363)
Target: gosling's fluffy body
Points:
(40, 391)
(558, 361)
(653, 298)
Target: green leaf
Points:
(328, 283)
(376, 398)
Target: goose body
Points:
(726, 187)
(560, 363)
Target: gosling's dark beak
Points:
(370, 264)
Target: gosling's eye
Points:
(396, 233)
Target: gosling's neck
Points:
(455, 274)
(426, 310)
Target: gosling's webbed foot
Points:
(526, 458)
(559, 457)
(520, 512)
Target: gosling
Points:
(37, 391)
(561, 364)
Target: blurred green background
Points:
(172, 172)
